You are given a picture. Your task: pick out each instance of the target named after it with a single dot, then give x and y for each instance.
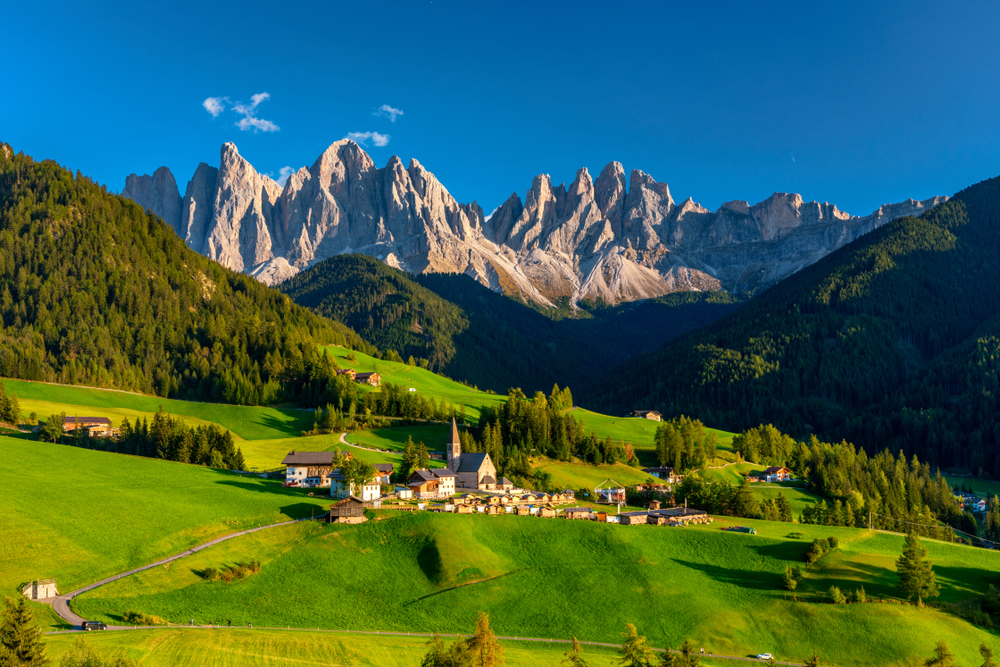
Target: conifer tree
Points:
(20, 638)
(635, 650)
(942, 657)
(987, 654)
(483, 647)
(916, 577)
(574, 656)
(744, 504)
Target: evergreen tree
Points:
(635, 650)
(744, 504)
(942, 657)
(813, 661)
(916, 577)
(423, 457)
(574, 656)
(20, 638)
(52, 429)
(410, 461)
(987, 654)
(688, 658)
(483, 647)
(784, 509)
(668, 659)
(991, 525)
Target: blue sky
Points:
(856, 103)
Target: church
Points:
(474, 470)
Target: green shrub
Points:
(859, 595)
(833, 542)
(139, 618)
(210, 574)
(789, 578)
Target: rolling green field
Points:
(731, 474)
(78, 515)
(432, 435)
(641, 432)
(425, 382)
(799, 499)
(579, 475)
(248, 423)
(981, 487)
(177, 647)
(559, 579)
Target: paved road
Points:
(61, 603)
(540, 640)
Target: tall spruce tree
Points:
(635, 649)
(916, 576)
(574, 656)
(20, 639)
(483, 646)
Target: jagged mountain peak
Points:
(604, 238)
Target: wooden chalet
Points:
(349, 372)
(373, 379)
(466, 509)
(348, 510)
(777, 474)
(523, 510)
(547, 512)
(647, 414)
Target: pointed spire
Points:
(454, 433)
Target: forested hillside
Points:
(472, 334)
(891, 342)
(94, 291)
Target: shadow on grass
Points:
(296, 421)
(755, 580)
(793, 551)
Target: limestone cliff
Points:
(596, 239)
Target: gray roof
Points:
(442, 472)
(678, 511)
(472, 462)
(487, 480)
(308, 459)
(383, 467)
(506, 482)
(86, 420)
(454, 433)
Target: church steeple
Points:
(453, 448)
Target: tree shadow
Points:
(793, 551)
(298, 421)
(429, 560)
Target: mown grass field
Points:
(177, 647)
(799, 499)
(981, 487)
(248, 423)
(641, 432)
(583, 475)
(559, 579)
(78, 515)
(730, 474)
(425, 382)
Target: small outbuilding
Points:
(647, 414)
(348, 510)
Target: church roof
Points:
(473, 461)
(453, 440)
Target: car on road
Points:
(765, 656)
(94, 625)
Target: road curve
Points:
(61, 603)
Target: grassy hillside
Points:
(94, 291)
(248, 423)
(890, 342)
(582, 579)
(79, 515)
(267, 648)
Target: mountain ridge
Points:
(606, 240)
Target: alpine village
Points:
(355, 412)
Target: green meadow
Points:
(424, 381)
(222, 647)
(246, 422)
(798, 498)
(79, 515)
(584, 475)
(640, 432)
(558, 579)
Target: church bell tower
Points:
(453, 448)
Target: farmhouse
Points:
(75, 423)
(349, 372)
(647, 414)
(373, 379)
(349, 510)
(777, 474)
(384, 471)
(310, 469)
(472, 470)
(427, 484)
(341, 488)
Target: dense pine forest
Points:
(892, 342)
(97, 292)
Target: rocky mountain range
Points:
(611, 239)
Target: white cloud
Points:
(250, 120)
(363, 137)
(388, 112)
(283, 175)
(215, 105)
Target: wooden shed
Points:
(523, 510)
(547, 512)
(348, 510)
